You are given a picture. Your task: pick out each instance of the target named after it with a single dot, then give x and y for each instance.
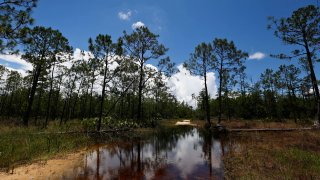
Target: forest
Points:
(121, 82)
(114, 80)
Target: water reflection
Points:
(171, 154)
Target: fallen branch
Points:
(270, 129)
(87, 132)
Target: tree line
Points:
(127, 87)
(114, 79)
(286, 93)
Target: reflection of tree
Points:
(207, 141)
(98, 164)
(143, 159)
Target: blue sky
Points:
(181, 24)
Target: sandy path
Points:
(185, 123)
(51, 169)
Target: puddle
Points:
(173, 154)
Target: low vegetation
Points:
(21, 145)
(285, 155)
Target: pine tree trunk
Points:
(313, 78)
(31, 96)
(49, 98)
(139, 116)
(207, 100)
(220, 92)
(103, 94)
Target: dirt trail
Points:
(51, 169)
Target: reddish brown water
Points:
(183, 154)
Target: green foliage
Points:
(200, 63)
(302, 30)
(89, 124)
(119, 124)
(14, 21)
(142, 46)
(108, 123)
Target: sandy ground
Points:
(185, 123)
(50, 169)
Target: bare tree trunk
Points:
(139, 116)
(31, 95)
(91, 93)
(49, 98)
(63, 111)
(313, 78)
(103, 94)
(207, 100)
(38, 105)
(220, 92)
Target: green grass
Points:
(310, 161)
(19, 145)
(287, 155)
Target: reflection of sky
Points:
(216, 154)
(185, 160)
(186, 157)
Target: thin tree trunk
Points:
(3, 103)
(38, 105)
(139, 116)
(56, 103)
(220, 90)
(31, 96)
(49, 98)
(76, 99)
(313, 77)
(207, 100)
(63, 111)
(84, 104)
(90, 104)
(103, 94)
(10, 104)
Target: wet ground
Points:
(180, 153)
(188, 153)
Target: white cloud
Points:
(137, 25)
(125, 15)
(23, 65)
(183, 85)
(257, 56)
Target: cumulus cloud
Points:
(137, 25)
(257, 56)
(183, 85)
(16, 63)
(125, 15)
(16, 59)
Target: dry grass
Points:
(269, 155)
(247, 124)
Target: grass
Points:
(21, 145)
(269, 155)
(254, 155)
(310, 161)
(247, 124)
